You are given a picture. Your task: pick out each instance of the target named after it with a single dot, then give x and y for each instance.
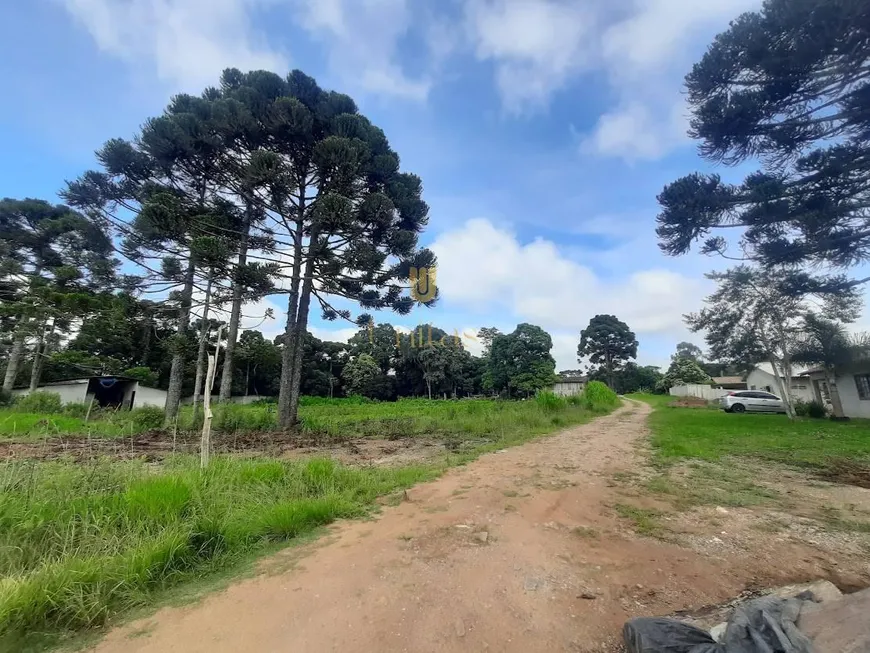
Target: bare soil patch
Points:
(534, 548)
(155, 445)
(689, 402)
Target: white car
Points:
(753, 401)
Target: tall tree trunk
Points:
(146, 341)
(40, 352)
(176, 372)
(14, 358)
(834, 393)
(288, 355)
(236, 312)
(429, 388)
(201, 352)
(783, 390)
(300, 327)
(36, 367)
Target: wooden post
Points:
(205, 444)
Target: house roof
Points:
(572, 379)
(796, 370)
(728, 380)
(85, 379)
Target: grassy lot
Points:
(478, 419)
(707, 434)
(80, 543)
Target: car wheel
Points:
(738, 408)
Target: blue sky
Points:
(542, 129)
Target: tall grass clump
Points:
(145, 418)
(598, 397)
(47, 403)
(79, 543)
(550, 401)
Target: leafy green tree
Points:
(409, 364)
(486, 335)
(634, 378)
(748, 319)
(145, 375)
(362, 376)
(258, 365)
(163, 193)
(683, 371)
(520, 362)
(828, 344)
(322, 365)
(333, 185)
(608, 342)
(688, 350)
(380, 342)
(54, 263)
(135, 332)
(786, 85)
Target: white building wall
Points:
(73, 392)
(149, 397)
(853, 405)
(800, 387)
(698, 391)
(564, 389)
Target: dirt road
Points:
(521, 550)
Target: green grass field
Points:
(331, 418)
(710, 434)
(83, 542)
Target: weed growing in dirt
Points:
(711, 484)
(644, 520)
(586, 532)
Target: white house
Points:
(118, 391)
(569, 385)
(853, 387)
(798, 387)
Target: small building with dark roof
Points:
(103, 390)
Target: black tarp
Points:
(764, 625)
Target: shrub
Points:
(6, 398)
(147, 417)
(75, 409)
(550, 401)
(598, 397)
(812, 409)
(235, 418)
(40, 402)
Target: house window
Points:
(862, 381)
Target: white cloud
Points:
(635, 132)
(646, 55)
(649, 38)
(535, 46)
(537, 283)
(644, 48)
(361, 39)
(188, 42)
